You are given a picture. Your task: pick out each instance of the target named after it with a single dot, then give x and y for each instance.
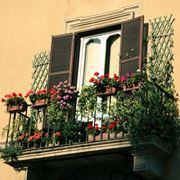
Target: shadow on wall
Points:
(173, 166)
(87, 172)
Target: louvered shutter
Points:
(61, 62)
(131, 45)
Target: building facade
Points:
(79, 33)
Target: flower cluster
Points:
(40, 94)
(132, 78)
(64, 94)
(23, 137)
(35, 137)
(115, 81)
(39, 138)
(94, 130)
(13, 99)
(104, 80)
(112, 126)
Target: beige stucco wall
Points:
(26, 27)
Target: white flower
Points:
(138, 71)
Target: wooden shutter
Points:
(131, 45)
(61, 61)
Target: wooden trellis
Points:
(40, 70)
(160, 50)
(40, 66)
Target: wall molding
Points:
(104, 19)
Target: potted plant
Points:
(71, 131)
(132, 81)
(39, 99)
(93, 132)
(87, 102)
(105, 85)
(64, 95)
(62, 104)
(22, 139)
(15, 102)
(56, 138)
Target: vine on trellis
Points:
(160, 50)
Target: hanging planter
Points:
(17, 108)
(108, 91)
(40, 103)
(39, 99)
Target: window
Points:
(113, 49)
(98, 53)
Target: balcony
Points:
(137, 123)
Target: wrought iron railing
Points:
(108, 121)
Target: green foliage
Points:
(71, 129)
(87, 101)
(149, 112)
(10, 153)
(56, 115)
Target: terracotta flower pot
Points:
(17, 108)
(131, 87)
(112, 135)
(40, 103)
(108, 91)
(90, 138)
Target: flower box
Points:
(112, 135)
(108, 91)
(17, 108)
(121, 135)
(98, 137)
(40, 103)
(90, 138)
(131, 87)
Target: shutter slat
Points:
(131, 45)
(62, 54)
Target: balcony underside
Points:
(71, 151)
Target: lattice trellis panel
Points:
(40, 70)
(160, 50)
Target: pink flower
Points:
(59, 97)
(70, 92)
(72, 87)
(66, 97)
(122, 79)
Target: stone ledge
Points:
(73, 150)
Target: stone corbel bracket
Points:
(150, 156)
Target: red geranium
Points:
(13, 99)
(96, 74)
(112, 125)
(21, 137)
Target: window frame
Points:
(103, 37)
